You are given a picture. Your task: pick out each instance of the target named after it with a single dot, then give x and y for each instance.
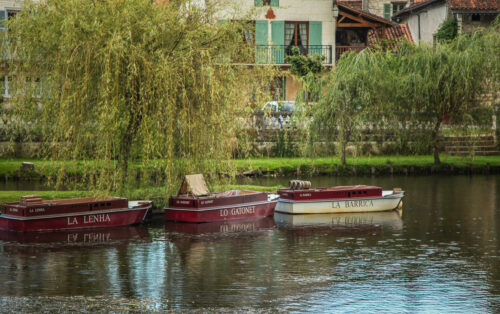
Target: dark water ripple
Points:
(441, 254)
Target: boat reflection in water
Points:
(86, 237)
(203, 246)
(231, 226)
(348, 222)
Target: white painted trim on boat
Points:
(217, 208)
(397, 195)
(119, 210)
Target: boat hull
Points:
(388, 201)
(233, 212)
(71, 221)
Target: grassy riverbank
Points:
(297, 167)
(378, 165)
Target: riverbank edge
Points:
(12, 169)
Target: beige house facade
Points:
(281, 25)
(7, 10)
(316, 27)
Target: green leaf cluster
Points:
(447, 31)
(301, 65)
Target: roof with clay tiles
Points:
(455, 5)
(393, 35)
(356, 4)
(474, 5)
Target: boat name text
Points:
(237, 211)
(349, 204)
(37, 210)
(90, 219)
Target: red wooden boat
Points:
(194, 203)
(34, 214)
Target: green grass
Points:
(291, 164)
(9, 167)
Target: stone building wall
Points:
(470, 22)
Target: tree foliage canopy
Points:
(411, 91)
(130, 80)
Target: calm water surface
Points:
(441, 254)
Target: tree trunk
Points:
(342, 154)
(129, 136)
(435, 141)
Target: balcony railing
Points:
(339, 50)
(276, 54)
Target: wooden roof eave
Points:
(361, 21)
(364, 16)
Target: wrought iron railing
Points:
(339, 50)
(276, 54)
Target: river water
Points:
(440, 254)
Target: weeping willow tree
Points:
(410, 92)
(131, 82)
(447, 83)
(345, 109)
(306, 70)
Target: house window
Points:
(397, 6)
(11, 13)
(475, 17)
(278, 88)
(273, 3)
(5, 15)
(296, 35)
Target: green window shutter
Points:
(3, 18)
(261, 36)
(261, 32)
(315, 37)
(258, 3)
(278, 38)
(387, 11)
(275, 3)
